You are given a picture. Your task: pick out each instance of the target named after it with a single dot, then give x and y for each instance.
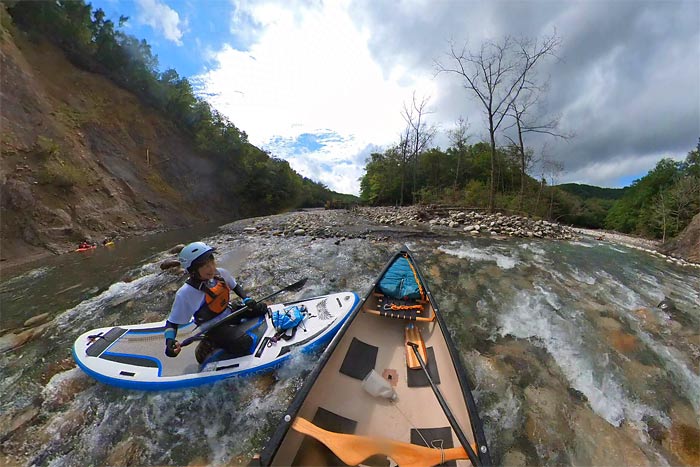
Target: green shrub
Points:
(60, 173)
(46, 147)
(159, 185)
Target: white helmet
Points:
(193, 252)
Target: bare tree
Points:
(524, 122)
(458, 137)
(661, 208)
(496, 75)
(685, 201)
(420, 133)
(553, 169)
(405, 155)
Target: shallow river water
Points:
(571, 360)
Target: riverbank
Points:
(381, 223)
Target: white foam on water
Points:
(533, 247)
(539, 255)
(33, 274)
(481, 254)
(550, 297)
(91, 309)
(583, 244)
(618, 249)
(531, 316)
(581, 276)
(615, 292)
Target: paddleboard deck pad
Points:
(134, 357)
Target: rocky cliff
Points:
(82, 158)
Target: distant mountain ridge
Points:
(590, 191)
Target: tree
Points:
(496, 75)
(380, 185)
(634, 212)
(524, 122)
(419, 134)
(405, 156)
(459, 138)
(662, 210)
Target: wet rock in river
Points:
(12, 341)
(622, 342)
(62, 425)
(63, 387)
(10, 422)
(177, 248)
(514, 458)
(55, 368)
(169, 263)
(666, 305)
(684, 436)
(685, 443)
(35, 320)
(597, 442)
(127, 452)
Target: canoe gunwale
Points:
(278, 436)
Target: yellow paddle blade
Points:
(353, 449)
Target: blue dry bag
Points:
(288, 318)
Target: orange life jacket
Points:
(215, 298)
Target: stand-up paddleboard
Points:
(133, 356)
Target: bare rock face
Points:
(687, 244)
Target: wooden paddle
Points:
(353, 449)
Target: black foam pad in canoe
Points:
(436, 438)
(416, 378)
(359, 360)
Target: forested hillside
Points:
(96, 141)
(589, 191)
(662, 203)
(659, 205)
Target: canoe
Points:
(87, 248)
(389, 385)
(133, 356)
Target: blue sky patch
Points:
(309, 141)
(626, 180)
(203, 30)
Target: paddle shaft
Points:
(446, 408)
(218, 321)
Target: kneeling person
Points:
(206, 294)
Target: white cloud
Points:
(309, 69)
(626, 84)
(162, 18)
(608, 173)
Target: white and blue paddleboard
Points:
(133, 356)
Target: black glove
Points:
(172, 347)
(250, 303)
(260, 309)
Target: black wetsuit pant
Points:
(231, 336)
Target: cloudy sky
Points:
(322, 84)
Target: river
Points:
(571, 359)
